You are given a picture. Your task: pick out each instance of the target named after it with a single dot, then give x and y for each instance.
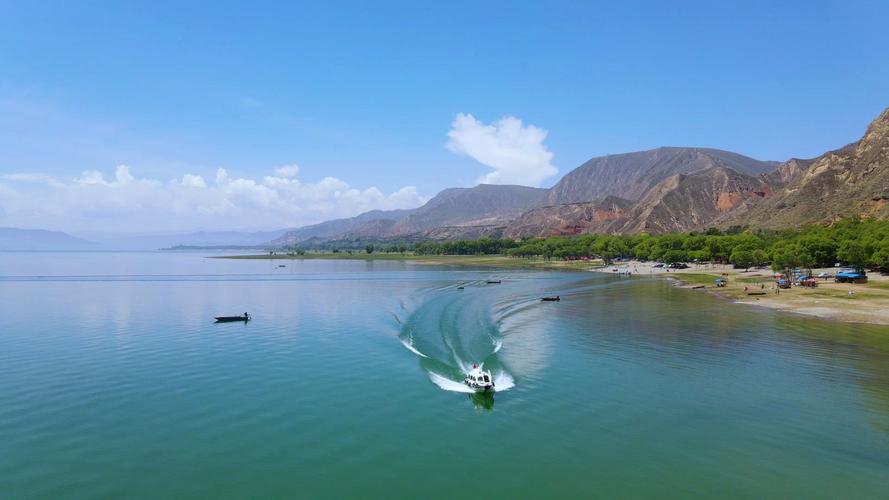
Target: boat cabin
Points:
(478, 379)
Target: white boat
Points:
(479, 379)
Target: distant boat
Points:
(460, 288)
(230, 319)
(493, 282)
(551, 299)
(281, 265)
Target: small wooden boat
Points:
(281, 265)
(551, 299)
(460, 288)
(756, 293)
(230, 319)
(493, 282)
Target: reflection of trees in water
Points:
(482, 400)
(685, 324)
(856, 352)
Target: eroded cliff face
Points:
(569, 219)
(853, 180)
(693, 202)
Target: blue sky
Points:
(367, 94)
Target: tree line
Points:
(852, 242)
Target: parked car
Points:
(659, 264)
(678, 265)
(824, 275)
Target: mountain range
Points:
(39, 239)
(661, 190)
(12, 238)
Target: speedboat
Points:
(479, 379)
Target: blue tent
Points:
(846, 276)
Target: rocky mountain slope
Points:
(570, 218)
(853, 180)
(693, 201)
(631, 175)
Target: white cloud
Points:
(195, 181)
(30, 177)
(515, 152)
(127, 202)
(287, 171)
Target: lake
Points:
(115, 382)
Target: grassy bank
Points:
(867, 303)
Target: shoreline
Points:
(867, 304)
(494, 261)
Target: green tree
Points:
(673, 256)
(881, 256)
(853, 253)
(369, 248)
(760, 257)
(742, 257)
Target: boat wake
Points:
(409, 343)
(502, 382)
(448, 384)
(452, 330)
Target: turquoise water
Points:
(114, 382)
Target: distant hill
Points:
(482, 205)
(370, 224)
(39, 239)
(631, 175)
(216, 239)
(454, 213)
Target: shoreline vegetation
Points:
(747, 261)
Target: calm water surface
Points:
(114, 382)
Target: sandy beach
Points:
(857, 303)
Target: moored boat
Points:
(551, 299)
(230, 319)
